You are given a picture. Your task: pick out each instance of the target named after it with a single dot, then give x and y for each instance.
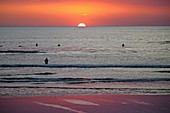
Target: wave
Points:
(165, 42)
(20, 51)
(160, 42)
(80, 80)
(43, 73)
(164, 71)
(117, 90)
(87, 65)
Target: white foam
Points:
(139, 102)
(81, 102)
(60, 107)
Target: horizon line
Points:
(92, 26)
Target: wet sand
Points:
(86, 104)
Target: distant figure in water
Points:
(20, 46)
(58, 44)
(46, 61)
(36, 44)
(123, 45)
(1, 45)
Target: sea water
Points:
(84, 60)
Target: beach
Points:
(86, 104)
(88, 70)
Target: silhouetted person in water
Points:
(58, 44)
(46, 61)
(123, 45)
(36, 44)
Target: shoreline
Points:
(89, 103)
(79, 91)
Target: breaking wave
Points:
(87, 65)
(80, 80)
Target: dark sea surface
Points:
(84, 60)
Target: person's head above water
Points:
(46, 61)
(123, 45)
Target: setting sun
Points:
(82, 25)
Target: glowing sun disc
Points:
(82, 25)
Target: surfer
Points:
(36, 44)
(46, 61)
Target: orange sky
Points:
(90, 12)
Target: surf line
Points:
(87, 65)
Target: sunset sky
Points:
(90, 12)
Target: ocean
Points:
(87, 60)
